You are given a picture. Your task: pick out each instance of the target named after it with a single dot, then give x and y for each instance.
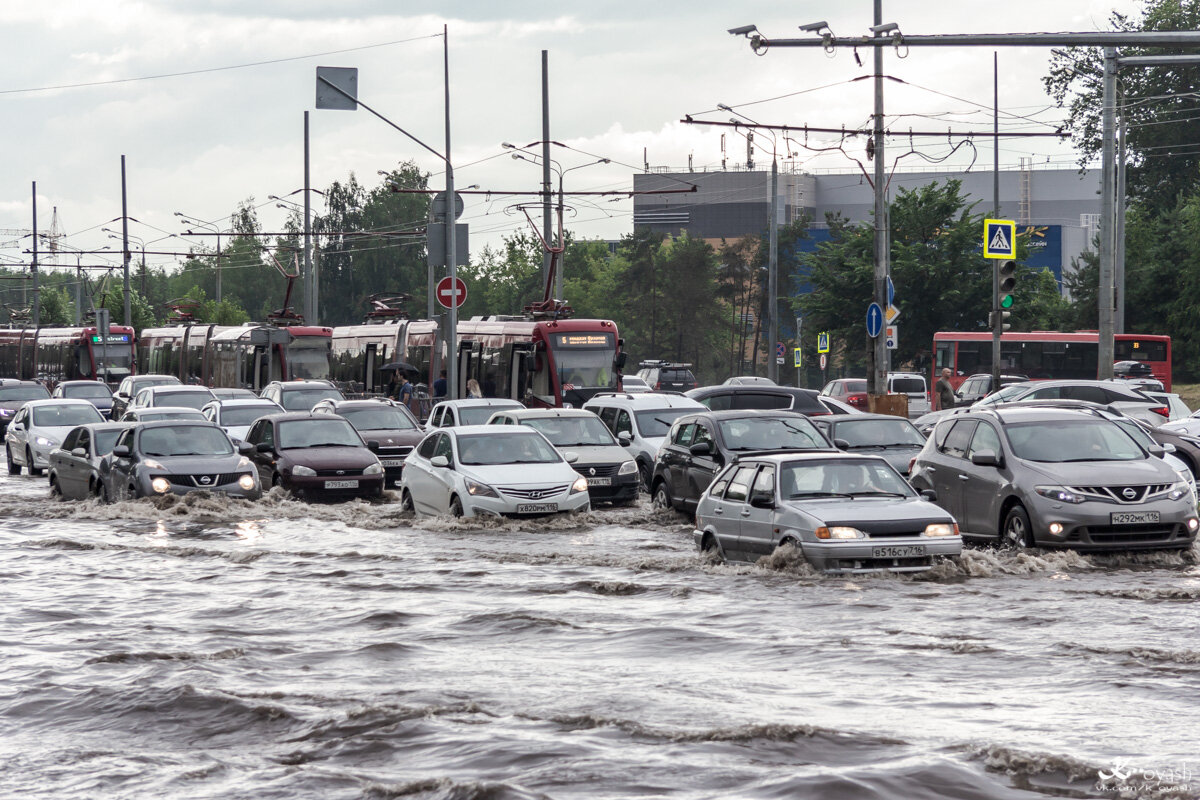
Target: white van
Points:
(913, 385)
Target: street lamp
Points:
(186, 220)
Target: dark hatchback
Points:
(14, 394)
(316, 456)
(383, 421)
(700, 445)
(894, 438)
(777, 398)
(95, 392)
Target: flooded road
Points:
(220, 649)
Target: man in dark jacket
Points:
(945, 392)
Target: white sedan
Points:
(482, 470)
(39, 427)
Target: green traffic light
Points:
(1006, 301)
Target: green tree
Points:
(56, 307)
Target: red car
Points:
(852, 391)
(316, 456)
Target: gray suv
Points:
(1024, 477)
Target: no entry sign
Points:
(451, 295)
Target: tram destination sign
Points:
(583, 339)
(112, 338)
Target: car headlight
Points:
(628, 468)
(45, 441)
(580, 485)
(374, 469)
(839, 532)
(303, 471)
(941, 529)
(152, 464)
(160, 485)
(1179, 490)
(246, 482)
(477, 489)
(1059, 494)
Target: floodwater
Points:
(207, 648)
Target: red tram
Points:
(52, 355)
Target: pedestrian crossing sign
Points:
(999, 238)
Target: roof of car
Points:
(235, 402)
(152, 375)
(81, 382)
(808, 455)
(302, 384)
(104, 426)
(1037, 412)
(546, 413)
(480, 401)
(171, 423)
(746, 413)
(494, 430)
(59, 401)
(645, 400)
(366, 402)
(181, 387)
(706, 391)
(836, 418)
(163, 410)
(288, 416)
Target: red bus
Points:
(1045, 354)
(51, 355)
(244, 356)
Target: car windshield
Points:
(1061, 441)
(105, 440)
(185, 440)
(1006, 393)
(506, 448)
(657, 422)
(755, 433)
(61, 416)
(572, 431)
(174, 413)
(196, 400)
(305, 399)
(1136, 431)
(241, 416)
(841, 478)
(330, 432)
(878, 433)
(383, 418)
(17, 393)
(477, 415)
(88, 391)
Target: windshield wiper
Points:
(878, 494)
(333, 444)
(819, 494)
(1092, 458)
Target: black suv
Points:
(664, 376)
(979, 386)
(721, 398)
(699, 445)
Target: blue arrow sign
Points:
(874, 320)
(891, 290)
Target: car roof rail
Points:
(773, 451)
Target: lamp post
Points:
(186, 220)
(773, 254)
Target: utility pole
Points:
(879, 366)
(546, 256)
(1107, 218)
(125, 245)
(33, 268)
(997, 315)
(773, 275)
(310, 277)
(451, 337)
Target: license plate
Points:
(1132, 517)
(341, 484)
(537, 508)
(599, 481)
(392, 462)
(899, 552)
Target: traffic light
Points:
(1008, 282)
(1004, 315)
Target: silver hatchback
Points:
(1021, 477)
(843, 512)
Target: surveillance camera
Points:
(886, 27)
(814, 26)
(744, 30)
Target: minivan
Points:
(913, 385)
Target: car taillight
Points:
(1163, 410)
(657, 385)
(857, 399)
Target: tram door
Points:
(370, 370)
(468, 364)
(520, 361)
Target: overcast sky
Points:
(206, 98)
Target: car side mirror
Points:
(440, 461)
(762, 499)
(373, 445)
(841, 444)
(1156, 450)
(625, 438)
(121, 451)
(929, 494)
(985, 458)
(264, 447)
(79, 452)
(700, 449)
(571, 458)
(245, 448)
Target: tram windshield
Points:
(585, 360)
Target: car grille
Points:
(394, 452)
(533, 493)
(1122, 494)
(887, 534)
(206, 480)
(338, 473)
(1129, 534)
(597, 470)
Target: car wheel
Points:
(406, 501)
(662, 498)
(132, 492)
(55, 489)
(13, 467)
(1017, 533)
(710, 548)
(276, 480)
(29, 463)
(644, 471)
(456, 509)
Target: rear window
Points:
(761, 400)
(677, 375)
(908, 385)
